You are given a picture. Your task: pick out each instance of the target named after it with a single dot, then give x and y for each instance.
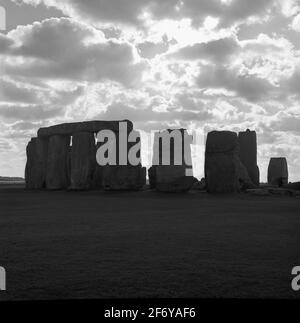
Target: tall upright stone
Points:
(57, 162)
(125, 171)
(248, 154)
(98, 172)
(35, 171)
(83, 160)
(224, 172)
(278, 171)
(172, 162)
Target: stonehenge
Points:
(224, 171)
(278, 171)
(64, 157)
(81, 156)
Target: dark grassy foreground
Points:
(146, 244)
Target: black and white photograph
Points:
(149, 151)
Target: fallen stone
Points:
(180, 185)
(83, 160)
(119, 178)
(282, 191)
(258, 192)
(57, 162)
(293, 186)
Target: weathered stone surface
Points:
(224, 172)
(248, 154)
(278, 171)
(152, 176)
(57, 162)
(127, 178)
(69, 129)
(98, 173)
(172, 161)
(83, 160)
(35, 171)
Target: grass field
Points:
(146, 244)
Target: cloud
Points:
(150, 49)
(134, 12)
(247, 86)
(29, 112)
(65, 49)
(218, 51)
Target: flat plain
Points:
(59, 245)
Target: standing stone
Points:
(98, 172)
(224, 172)
(122, 175)
(176, 175)
(83, 157)
(35, 171)
(57, 162)
(248, 154)
(278, 171)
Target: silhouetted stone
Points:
(224, 172)
(199, 185)
(35, 171)
(293, 186)
(152, 176)
(165, 183)
(258, 192)
(282, 191)
(69, 129)
(278, 171)
(118, 178)
(83, 160)
(57, 162)
(172, 162)
(248, 154)
(98, 173)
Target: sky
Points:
(198, 64)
